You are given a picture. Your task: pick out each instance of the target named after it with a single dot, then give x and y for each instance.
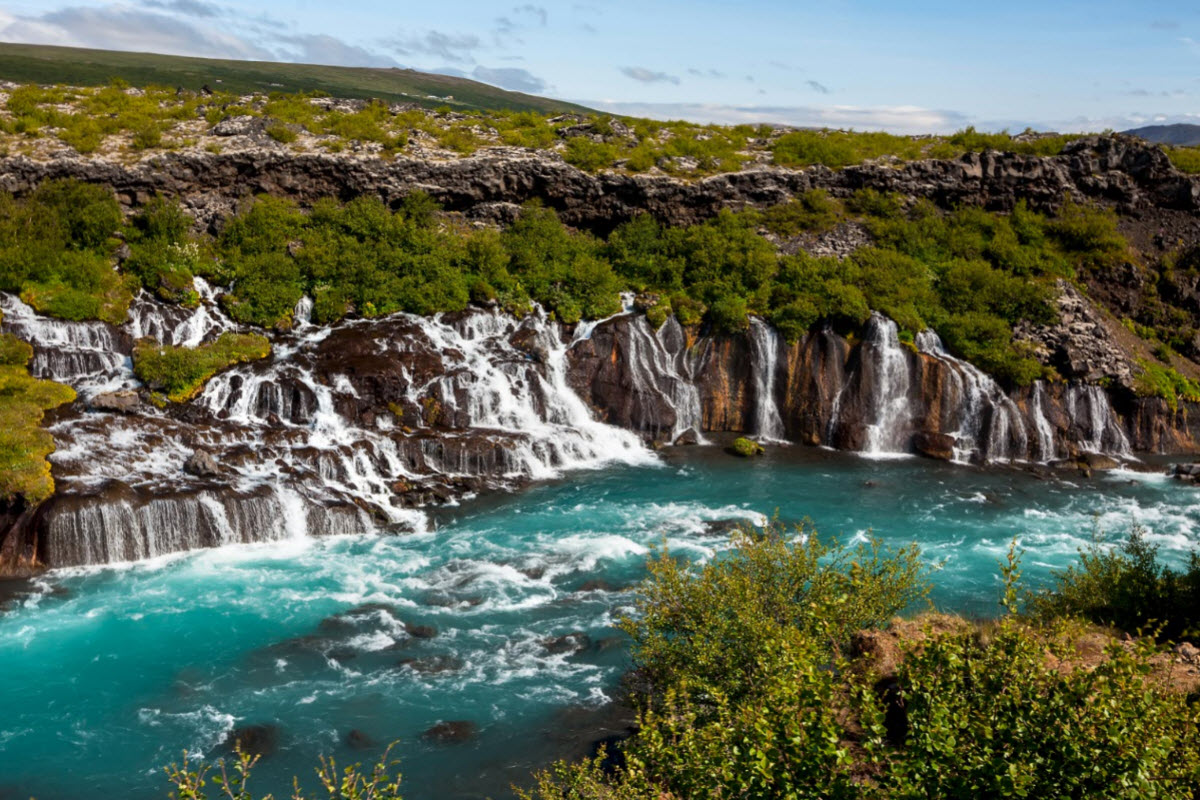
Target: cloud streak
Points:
(643, 75)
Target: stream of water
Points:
(112, 672)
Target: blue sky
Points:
(914, 67)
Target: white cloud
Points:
(518, 80)
(897, 119)
(648, 76)
(118, 27)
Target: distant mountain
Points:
(1180, 135)
(26, 63)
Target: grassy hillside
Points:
(42, 64)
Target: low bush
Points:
(1156, 380)
(1128, 587)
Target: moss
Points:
(24, 446)
(181, 372)
(433, 410)
(1155, 380)
(746, 448)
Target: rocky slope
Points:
(356, 427)
(1119, 170)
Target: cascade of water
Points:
(766, 345)
(1041, 425)
(889, 412)
(176, 325)
(302, 315)
(1092, 416)
(506, 390)
(88, 355)
(983, 419)
(660, 367)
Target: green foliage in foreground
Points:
(750, 696)
(745, 690)
(181, 372)
(232, 781)
(24, 470)
(1127, 587)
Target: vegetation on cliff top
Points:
(769, 672)
(970, 275)
(118, 118)
(24, 471)
(181, 372)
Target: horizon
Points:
(929, 68)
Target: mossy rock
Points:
(746, 448)
(181, 372)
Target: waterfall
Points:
(1093, 420)
(765, 346)
(889, 413)
(660, 366)
(91, 356)
(983, 419)
(1041, 425)
(488, 383)
(177, 325)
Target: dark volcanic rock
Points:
(569, 643)
(452, 732)
(256, 740)
(357, 740)
(122, 402)
(935, 445)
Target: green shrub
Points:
(589, 155)
(1185, 159)
(999, 719)
(814, 210)
(719, 626)
(281, 133)
(1127, 587)
(181, 372)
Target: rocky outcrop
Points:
(1120, 170)
(1080, 345)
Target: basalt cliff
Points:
(359, 426)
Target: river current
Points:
(112, 672)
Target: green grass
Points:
(1185, 159)
(73, 66)
(181, 372)
(1156, 380)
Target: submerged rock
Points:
(452, 732)
(357, 740)
(570, 643)
(256, 740)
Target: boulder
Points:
(201, 464)
(420, 631)
(123, 402)
(746, 448)
(935, 445)
(688, 437)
